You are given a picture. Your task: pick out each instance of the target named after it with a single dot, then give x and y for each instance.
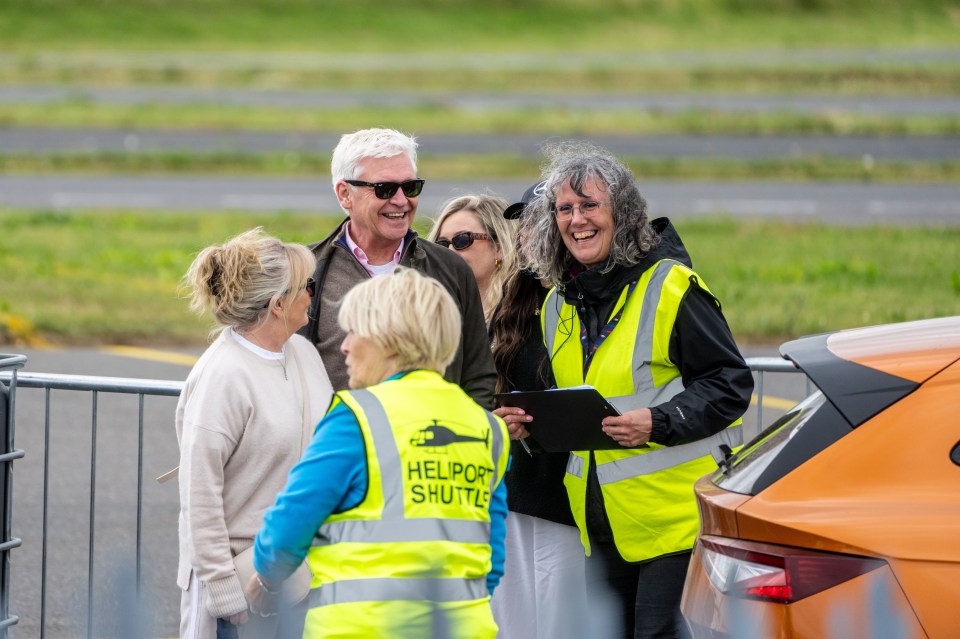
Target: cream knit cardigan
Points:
(241, 427)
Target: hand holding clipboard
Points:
(565, 419)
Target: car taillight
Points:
(780, 574)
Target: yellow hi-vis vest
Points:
(411, 559)
(647, 492)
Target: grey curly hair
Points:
(575, 162)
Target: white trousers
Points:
(542, 592)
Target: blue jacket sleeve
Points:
(330, 477)
(498, 535)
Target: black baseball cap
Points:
(515, 210)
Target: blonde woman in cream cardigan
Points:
(247, 411)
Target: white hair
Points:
(369, 143)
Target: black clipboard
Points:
(565, 419)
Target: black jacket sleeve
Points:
(478, 376)
(717, 381)
(472, 367)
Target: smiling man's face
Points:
(376, 225)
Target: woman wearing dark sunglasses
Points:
(474, 227)
(246, 413)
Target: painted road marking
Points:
(781, 403)
(152, 355)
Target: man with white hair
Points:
(374, 174)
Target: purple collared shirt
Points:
(372, 269)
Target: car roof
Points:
(862, 371)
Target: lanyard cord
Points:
(589, 350)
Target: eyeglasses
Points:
(386, 190)
(310, 287)
(462, 240)
(587, 209)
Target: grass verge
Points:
(474, 25)
(811, 168)
(113, 277)
(439, 118)
(598, 78)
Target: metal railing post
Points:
(8, 454)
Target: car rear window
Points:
(805, 430)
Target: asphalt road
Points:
(485, 101)
(842, 204)
(109, 462)
(704, 57)
(33, 140)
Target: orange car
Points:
(842, 518)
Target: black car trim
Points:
(797, 436)
(955, 454)
(857, 391)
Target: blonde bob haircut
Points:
(410, 316)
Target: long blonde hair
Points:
(488, 209)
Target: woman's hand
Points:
(630, 429)
(239, 618)
(261, 601)
(515, 419)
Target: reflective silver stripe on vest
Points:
(551, 317)
(644, 392)
(375, 532)
(388, 455)
(664, 458)
(496, 447)
(575, 466)
(648, 397)
(393, 525)
(385, 589)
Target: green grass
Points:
(473, 25)
(599, 77)
(438, 118)
(808, 169)
(112, 277)
(784, 280)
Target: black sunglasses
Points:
(462, 240)
(310, 287)
(386, 190)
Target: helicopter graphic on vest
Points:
(436, 436)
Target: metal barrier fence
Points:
(8, 454)
(116, 595)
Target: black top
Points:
(535, 482)
(717, 381)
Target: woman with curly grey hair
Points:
(629, 316)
